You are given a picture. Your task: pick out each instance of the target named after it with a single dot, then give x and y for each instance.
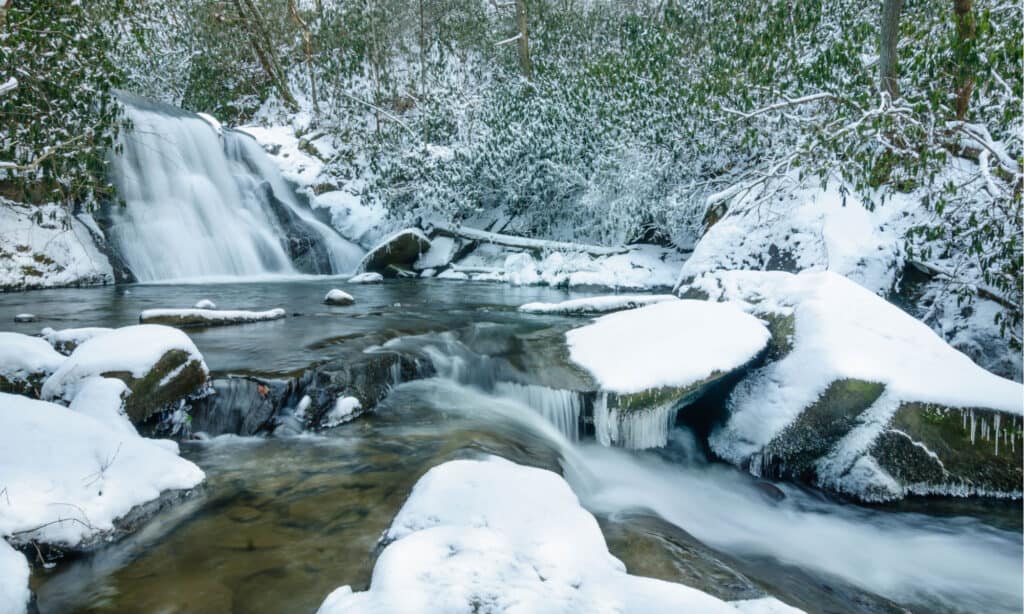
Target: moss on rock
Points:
(176, 376)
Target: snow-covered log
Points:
(473, 234)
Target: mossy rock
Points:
(794, 452)
(401, 250)
(28, 386)
(930, 448)
(782, 329)
(151, 394)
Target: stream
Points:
(282, 521)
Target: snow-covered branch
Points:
(8, 86)
(788, 102)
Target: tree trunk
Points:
(524, 39)
(964, 53)
(309, 54)
(888, 42)
(264, 50)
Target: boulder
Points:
(25, 363)
(66, 340)
(160, 366)
(859, 397)
(400, 250)
(339, 298)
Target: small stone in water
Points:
(338, 297)
(205, 304)
(25, 317)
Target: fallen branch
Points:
(523, 242)
(982, 290)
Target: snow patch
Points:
(598, 304)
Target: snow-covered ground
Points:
(68, 476)
(844, 332)
(14, 592)
(492, 535)
(44, 247)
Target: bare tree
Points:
(522, 37)
(307, 38)
(888, 42)
(262, 45)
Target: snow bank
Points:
(68, 477)
(353, 219)
(44, 247)
(14, 592)
(25, 361)
(208, 317)
(844, 332)
(669, 344)
(102, 398)
(282, 145)
(67, 339)
(132, 349)
(811, 229)
(492, 535)
(598, 304)
(366, 278)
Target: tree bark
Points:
(966, 30)
(262, 46)
(309, 54)
(522, 23)
(888, 42)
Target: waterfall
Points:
(199, 203)
(562, 408)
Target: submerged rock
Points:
(400, 250)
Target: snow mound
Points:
(353, 219)
(132, 349)
(25, 360)
(205, 303)
(366, 278)
(14, 592)
(669, 344)
(66, 340)
(45, 247)
(208, 317)
(598, 304)
(492, 535)
(68, 477)
(102, 398)
(843, 331)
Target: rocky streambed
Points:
(297, 495)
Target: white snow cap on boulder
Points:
(132, 349)
(668, 344)
(70, 476)
(366, 278)
(338, 297)
(23, 357)
(514, 538)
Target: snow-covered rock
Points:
(366, 278)
(401, 249)
(521, 270)
(344, 410)
(205, 303)
(159, 364)
(597, 304)
(68, 477)
(44, 247)
(25, 363)
(14, 591)
(189, 318)
(649, 362)
(352, 218)
(66, 340)
(339, 298)
(492, 535)
(864, 399)
(442, 250)
(25, 318)
(103, 398)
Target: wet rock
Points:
(239, 405)
(401, 250)
(66, 340)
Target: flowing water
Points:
(283, 521)
(198, 204)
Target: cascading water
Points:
(202, 204)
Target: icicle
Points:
(561, 408)
(602, 420)
(973, 425)
(997, 434)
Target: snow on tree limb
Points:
(8, 86)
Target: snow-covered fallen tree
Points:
(196, 318)
(597, 304)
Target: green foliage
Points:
(62, 120)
